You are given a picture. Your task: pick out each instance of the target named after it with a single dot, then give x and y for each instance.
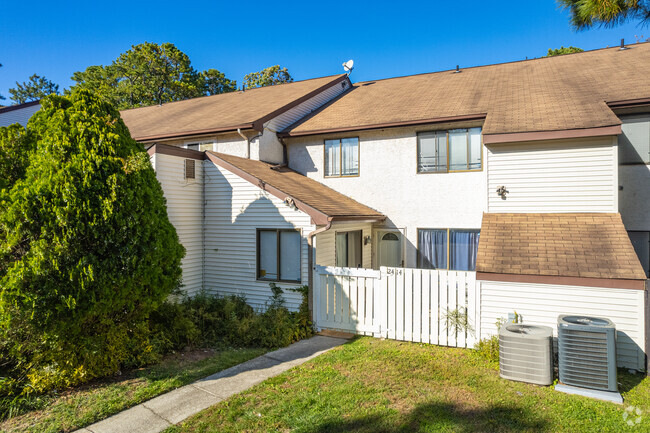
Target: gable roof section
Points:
(566, 94)
(582, 245)
(224, 112)
(320, 202)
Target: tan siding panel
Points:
(325, 244)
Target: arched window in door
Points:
(390, 250)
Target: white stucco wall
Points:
(234, 209)
(21, 115)
(634, 197)
(389, 183)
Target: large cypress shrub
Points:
(86, 248)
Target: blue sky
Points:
(312, 39)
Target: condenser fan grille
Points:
(587, 354)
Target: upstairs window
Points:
(278, 255)
(634, 142)
(448, 151)
(342, 157)
(447, 249)
(202, 146)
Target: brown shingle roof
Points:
(224, 112)
(547, 94)
(590, 245)
(308, 194)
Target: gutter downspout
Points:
(285, 153)
(248, 141)
(310, 260)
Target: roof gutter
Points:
(628, 103)
(248, 141)
(469, 117)
(515, 137)
(194, 133)
(285, 152)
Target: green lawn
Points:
(85, 405)
(370, 385)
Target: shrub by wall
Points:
(86, 249)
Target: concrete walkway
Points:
(165, 410)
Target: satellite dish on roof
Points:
(348, 66)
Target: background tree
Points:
(150, 74)
(215, 82)
(36, 88)
(86, 248)
(609, 13)
(563, 50)
(267, 77)
(102, 80)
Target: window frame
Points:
(447, 170)
(449, 230)
(258, 277)
(199, 144)
(345, 232)
(340, 140)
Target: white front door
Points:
(390, 249)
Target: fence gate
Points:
(428, 306)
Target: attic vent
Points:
(190, 170)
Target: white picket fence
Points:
(427, 306)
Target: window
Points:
(278, 255)
(348, 249)
(342, 157)
(447, 249)
(453, 150)
(634, 142)
(202, 146)
(641, 243)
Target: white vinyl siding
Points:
(235, 209)
(567, 176)
(541, 304)
(303, 109)
(21, 115)
(326, 244)
(267, 147)
(184, 208)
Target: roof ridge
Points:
(498, 64)
(234, 91)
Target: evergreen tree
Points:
(86, 248)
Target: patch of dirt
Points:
(189, 355)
